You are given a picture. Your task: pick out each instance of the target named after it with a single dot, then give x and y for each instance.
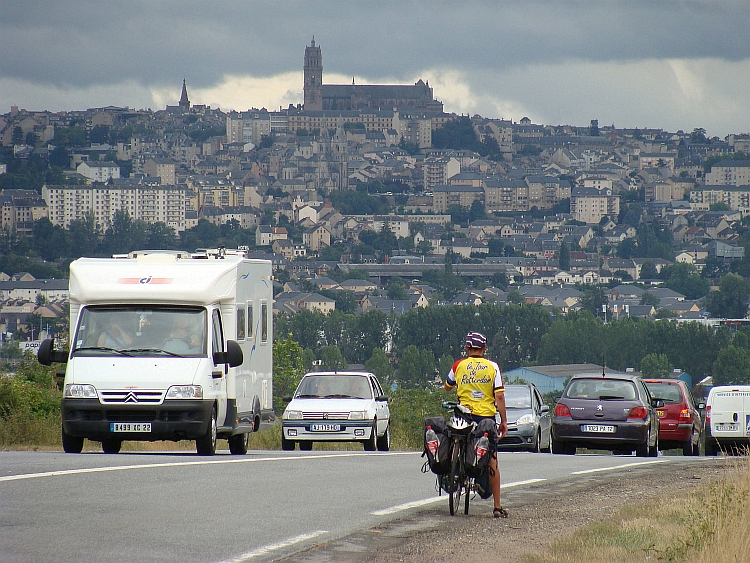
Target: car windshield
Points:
(517, 398)
(601, 389)
(141, 331)
(666, 392)
(334, 386)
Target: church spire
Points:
(184, 101)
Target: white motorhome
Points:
(167, 346)
(727, 418)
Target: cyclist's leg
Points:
(495, 480)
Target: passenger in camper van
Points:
(115, 336)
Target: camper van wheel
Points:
(238, 443)
(206, 444)
(111, 445)
(286, 445)
(71, 444)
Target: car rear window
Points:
(665, 391)
(601, 389)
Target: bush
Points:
(409, 408)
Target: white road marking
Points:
(634, 464)
(185, 464)
(274, 547)
(423, 502)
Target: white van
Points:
(727, 418)
(167, 346)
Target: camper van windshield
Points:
(136, 331)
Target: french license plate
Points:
(661, 413)
(726, 427)
(325, 428)
(130, 427)
(598, 428)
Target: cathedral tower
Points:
(184, 102)
(313, 83)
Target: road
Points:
(179, 507)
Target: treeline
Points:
(423, 343)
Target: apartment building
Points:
(589, 205)
(736, 197)
(657, 160)
(19, 209)
(443, 196)
(438, 169)
(729, 172)
(99, 171)
(152, 204)
(164, 168)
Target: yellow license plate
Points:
(661, 413)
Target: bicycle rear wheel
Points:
(457, 478)
(466, 497)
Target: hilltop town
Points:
(373, 197)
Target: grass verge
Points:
(705, 526)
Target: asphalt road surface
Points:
(95, 507)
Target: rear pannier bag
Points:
(475, 467)
(440, 461)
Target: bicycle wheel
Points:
(457, 477)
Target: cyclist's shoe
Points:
(499, 513)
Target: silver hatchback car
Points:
(528, 420)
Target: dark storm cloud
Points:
(83, 43)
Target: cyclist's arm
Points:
(500, 405)
(450, 381)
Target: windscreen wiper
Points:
(152, 350)
(102, 349)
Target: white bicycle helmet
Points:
(458, 423)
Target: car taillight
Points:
(685, 413)
(708, 416)
(561, 410)
(638, 412)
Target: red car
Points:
(680, 423)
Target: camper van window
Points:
(240, 323)
(263, 322)
(249, 319)
(141, 331)
(218, 335)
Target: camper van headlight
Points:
(185, 392)
(78, 391)
(357, 415)
(293, 415)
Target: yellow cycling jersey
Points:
(478, 380)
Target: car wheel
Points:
(206, 444)
(697, 446)
(286, 445)
(537, 448)
(306, 445)
(371, 443)
(384, 442)
(548, 447)
(687, 447)
(111, 445)
(238, 443)
(71, 444)
(642, 450)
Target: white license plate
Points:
(598, 428)
(726, 427)
(325, 427)
(130, 427)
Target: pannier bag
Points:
(438, 454)
(480, 446)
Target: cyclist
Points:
(480, 387)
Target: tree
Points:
(84, 236)
(732, 367)
(564, 257)
(592, 300)
(396, 289)
(648, 271)
(730, 302)
(288, 369)
(649, 299)
(684, 278)
(17, 135)
(332, 359)
(656, 366)
(594, 128)
(424, 247)
(379, 365)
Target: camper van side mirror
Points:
(46, 355)
(233, 356)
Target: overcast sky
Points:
(671, 64)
